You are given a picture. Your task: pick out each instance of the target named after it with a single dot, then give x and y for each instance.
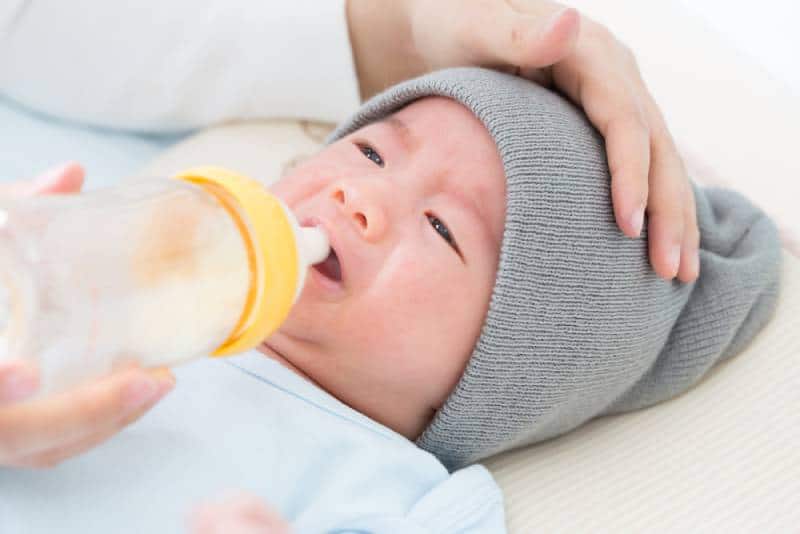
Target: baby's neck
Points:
(270, 352)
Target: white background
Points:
(768, 31)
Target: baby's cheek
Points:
(418, 295)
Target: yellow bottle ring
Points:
(271, 251)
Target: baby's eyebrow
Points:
(409, 141)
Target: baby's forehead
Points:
(437, 122)
(438, 110)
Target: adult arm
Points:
(177, 65)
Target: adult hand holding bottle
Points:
(44, 431)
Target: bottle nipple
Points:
(315, 244)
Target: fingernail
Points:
(637, 219)
(696, 263)
(50, 176)
(142, 390)
(18, 385)
(674, 259)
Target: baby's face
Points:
(414, 207)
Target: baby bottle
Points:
(156, 272)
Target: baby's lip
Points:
(333, 240)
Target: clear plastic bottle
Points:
(157, 272)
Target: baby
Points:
(479, 297)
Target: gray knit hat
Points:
(579, 325)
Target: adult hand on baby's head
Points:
(552, 45)
(43, 432)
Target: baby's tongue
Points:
(330, 267)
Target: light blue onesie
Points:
(249, 423)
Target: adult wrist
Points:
(382, 44)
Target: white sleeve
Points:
(169, 66)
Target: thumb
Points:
(524, 36)
(65, 178)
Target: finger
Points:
(18, 381)
(65, 178)
(38, 425)
(585, 79)
(665, 211)
(790, 239)
(615, 111)
(54, 456)
(627, 141)
(690, 260)
(68, 178)
(241, 515)
(552, 42)
(538, 36)
(671, 168)
(613, 108)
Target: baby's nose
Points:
(364, 206)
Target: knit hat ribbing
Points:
(579, 325)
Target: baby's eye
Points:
(443, 231)
(371, 154)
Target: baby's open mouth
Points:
(330, 268)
